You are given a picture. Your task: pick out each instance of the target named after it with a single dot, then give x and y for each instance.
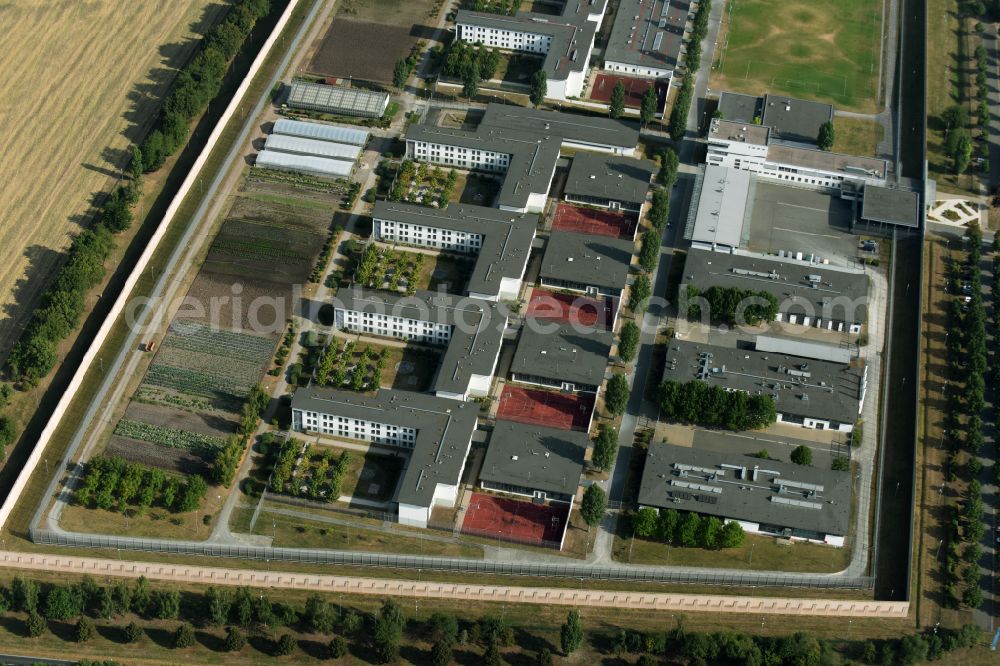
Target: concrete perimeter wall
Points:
(126, 292)
(654, 601)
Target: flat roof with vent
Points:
(722, 194)
(609, 177)
(778, 495)
(530, 456)
(563, 353)
(792, 119)
(444, 431)
(801, 387)
(599, 261)
(648, 33)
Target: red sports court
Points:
(591, 221)
(566, 411)
(514, 520)
(634, 90)
(571, 309)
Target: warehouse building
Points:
(566, 357)
(523, 144)
(590, 264)
(720, 218)
(807, 392)
(500, 240)
(646, 38)
(321, 131)
(609, 181)
(470, 329)
(337, 100)
(436, 432)
(544, 464)
(566, 41)
(767, 497)
(819, 296)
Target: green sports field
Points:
(825, 50)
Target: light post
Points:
(750, 563)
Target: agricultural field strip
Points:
(205, 384)
(168, 437)
(237, 346)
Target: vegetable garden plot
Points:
(201, 445)
(247, 240)
(190, 336)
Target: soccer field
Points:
(827, 51)
(81, 81)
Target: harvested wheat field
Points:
(81, 82)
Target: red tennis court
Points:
(571, 309)
(591, 221)
(566, 411)
(634, 90)
(513, 520)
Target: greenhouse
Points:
(300, 146)
(323, 132)
(320, 166)
(338, 100)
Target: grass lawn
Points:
(299, 533)
(518, 68)
(823, 51)
(768, 555)
(856, 136)
(366, 470)
(154, 522)
(444, 271)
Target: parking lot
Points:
(798, 220)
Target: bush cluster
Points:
(684, 528)
(714, 407)
(725, 303)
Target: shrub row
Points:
(200, 80)
(732, 305)
(686, 528)
(111, 482)
(682, 103)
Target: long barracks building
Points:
(566, 40)
(436, 432)
(521, 143)
(500, 240)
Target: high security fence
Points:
(734, 578)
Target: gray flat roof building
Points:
(338, 100)
(884, 205)
(801, 288)
(734, 130)
(609, 178)
(444, 431)
(804, 390)
(477, 328)
(740, 108)
(506, 237)
(648, 33)
(525, 458)
(573, 128)
(793, 119)
(813, 158)
(561, 354)
(719, 217)
(767, 496)
(587, 259)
